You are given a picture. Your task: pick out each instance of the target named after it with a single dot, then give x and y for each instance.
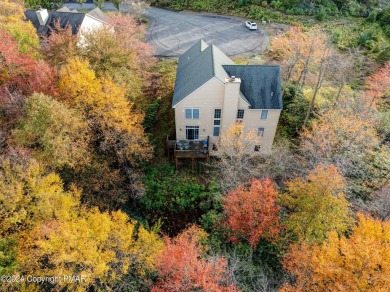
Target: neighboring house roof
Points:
(65, 9)
(260, 85)
(98, 14)
(65, 17)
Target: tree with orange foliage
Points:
(378, 85)
(348, 138)
(339, 135)
(300, 53)
(252, 214)
(181, 266)
(360, 262)
(306, 59)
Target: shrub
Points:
(256, 12)
(321, 15)
(175, 199)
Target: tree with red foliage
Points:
(181, 266)
(20, 73)
(378, 84)
(43, 79)
(251, 214)
(14, 66)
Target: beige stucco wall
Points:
(230, 104)
(252, 121)
(207, 98)
(89, 23)
(211, 96)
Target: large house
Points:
(212, 93)
(44, 21)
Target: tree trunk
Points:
(339, 92)
(305, 67)
(317, 88)
(288, 76)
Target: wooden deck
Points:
(184, 149)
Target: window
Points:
(240, 114)
(192, 113)
(192, 132)
(217, 113)
(260, 132)
(264, 114)
(217, 122)
(216, 131)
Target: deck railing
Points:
(188, 149)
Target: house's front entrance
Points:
(192, 132)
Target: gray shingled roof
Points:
(260, 85)
(196, 66)
(65, 18)
(64, 9)
(97, 13)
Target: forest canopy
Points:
(86, 189)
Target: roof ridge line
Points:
(213, 59)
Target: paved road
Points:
(172, 33)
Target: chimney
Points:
(230, 102)
(42, 15)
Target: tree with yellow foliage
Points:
(359, 262)
(100, 246)
(12, 20)
(116, 125)
(29, 195)
(120, 51)
(316, 205)
(56, 235)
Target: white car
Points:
(251, 25)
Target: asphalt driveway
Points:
(172, 33)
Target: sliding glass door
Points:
(192, 132)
